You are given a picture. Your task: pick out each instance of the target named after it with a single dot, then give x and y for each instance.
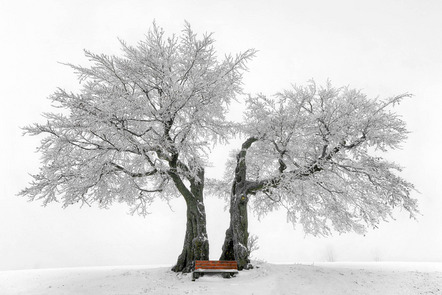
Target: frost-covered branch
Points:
(317, 156)
(142, 119)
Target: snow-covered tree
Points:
(317, 153)
(141, 128)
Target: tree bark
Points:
(235, 245)
(196, 243)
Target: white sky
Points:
(382, 47)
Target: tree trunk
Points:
(235, 245)
(196, 243)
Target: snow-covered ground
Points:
(322, 278)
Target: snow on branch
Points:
(142, 123)
(316, 154)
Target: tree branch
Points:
(132, 174)
(254, 186)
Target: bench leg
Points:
(195, 275)
(226, 275)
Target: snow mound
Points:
(329, 278)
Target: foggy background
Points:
(382, 47)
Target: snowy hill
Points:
(323, 278)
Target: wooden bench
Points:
(228, 267)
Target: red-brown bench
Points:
(227, 267)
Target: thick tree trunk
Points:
(196, 243)
(235, 245)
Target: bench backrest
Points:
(215, 264)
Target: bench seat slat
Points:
(217, 270)
(232, 265)
(221, 263)
(210, 262)
(215, 266)
(215, 262)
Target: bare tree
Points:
(140, 128)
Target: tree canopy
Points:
(318, 153)
(139, 118)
